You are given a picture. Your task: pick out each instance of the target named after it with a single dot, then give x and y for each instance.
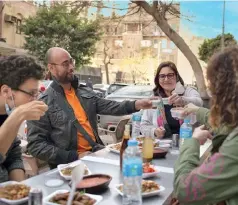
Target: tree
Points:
(211, 46)
(138, 65)
(61, 25)
(160, 11)
(106, 59)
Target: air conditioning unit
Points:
(9, 18)
(119, 43)
(145, 43)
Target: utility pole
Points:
(223, 26)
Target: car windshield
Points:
(135, 90)
(98, 86)
(115, 87)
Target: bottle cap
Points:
(132, 142)
(187, 120)
(127, 127)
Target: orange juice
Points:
(148, 149)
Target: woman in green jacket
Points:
(215, 180)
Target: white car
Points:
(130, 92)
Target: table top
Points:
(108, 163)
(111, 167)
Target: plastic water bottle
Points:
(132, 174)
(136, 120)
(186, 131)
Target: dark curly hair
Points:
(16, 69)
(222, 75)
(158, 90)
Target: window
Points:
(107, 29)
(156, 41)
(164, 43)
(172, 45)
(18, 26)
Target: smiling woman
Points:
(169, 85)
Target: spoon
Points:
(77, 175)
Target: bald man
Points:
(55, 138)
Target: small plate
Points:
(151, 174)
(73, 164)
(111, 149)
(147, 194)
(46, 200)
(13, 202)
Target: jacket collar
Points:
(58, 88)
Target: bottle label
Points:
(136, 118)
(132, 168)
(186, 133)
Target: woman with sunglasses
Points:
(19, 83)
(170, 86)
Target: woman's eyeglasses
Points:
(169, 76)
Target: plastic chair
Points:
(110, 136)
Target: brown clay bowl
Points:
(94, 183)
(159, 153)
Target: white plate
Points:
(110, 147)
(13, 202)
(151, 174)
(63, 166)
(163, 146)
(46, 200)
(153, 193)
(165, 141)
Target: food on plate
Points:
(79, 199)
(68, 171)
(14, 191)
(92, 182)
(148, 168)
(147, 186)
(116, 146)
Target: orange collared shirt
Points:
(81, 116)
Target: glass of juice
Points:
(148, 146)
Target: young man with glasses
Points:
(19, 81)
(55, 138)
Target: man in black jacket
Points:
(54, 138)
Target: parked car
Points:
(100, 89)
(44, 84)
(130, 92)
(114, 87)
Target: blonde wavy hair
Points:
(222, 74)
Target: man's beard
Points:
(65, 79)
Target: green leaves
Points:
(61, 25)
(211, 46)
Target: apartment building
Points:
(12, 14)
(135, 45)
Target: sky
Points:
(205, 16)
